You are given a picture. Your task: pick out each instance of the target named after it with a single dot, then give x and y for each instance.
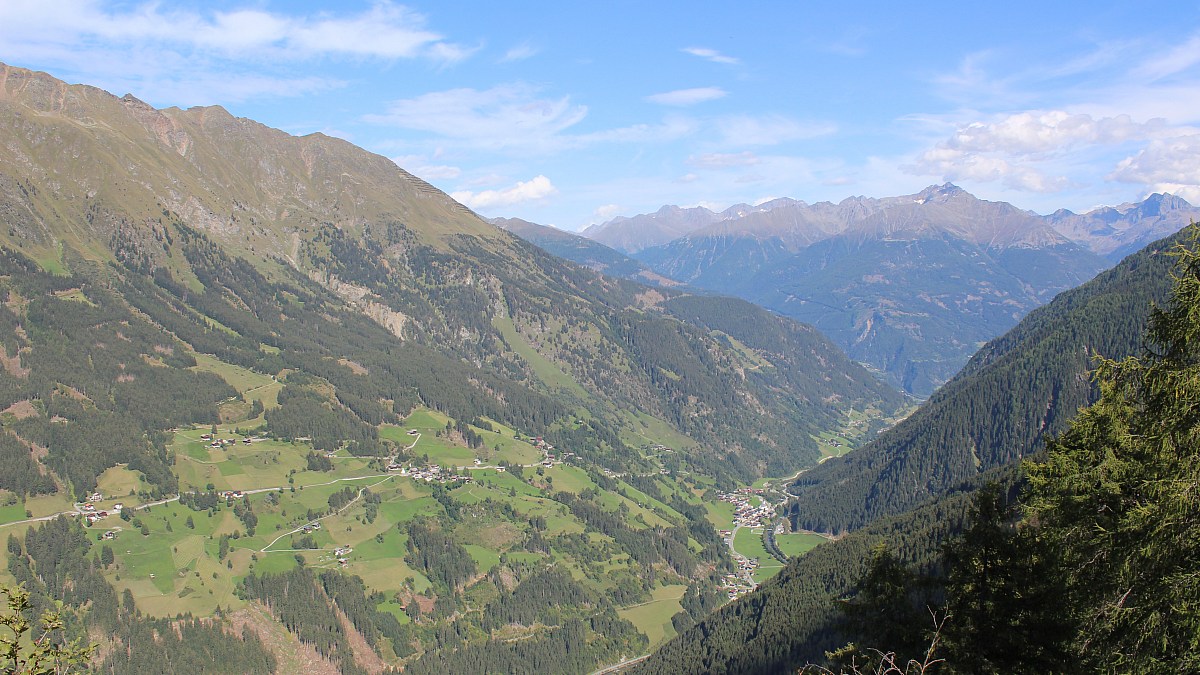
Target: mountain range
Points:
(909, 285)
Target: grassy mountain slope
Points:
(93, 177)
(170, 275)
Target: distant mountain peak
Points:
(1160, 202)
(938, 194)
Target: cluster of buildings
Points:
(428, 474)
(92, 514)
(742, 582)
(745, 514)
(215, 443)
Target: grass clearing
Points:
(720, 514)
(798, 543)
(543, 368)
(653, 618)
(242, 379)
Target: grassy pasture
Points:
(653, 618)
(798, 543)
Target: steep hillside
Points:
(578, 249)
(1017, 390)
(281, 384)
(89, 176)
(793, 619)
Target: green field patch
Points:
(798, 543)
(395, 609)
(426, 420)
(231, 469)
(511, 450)
(399, 435)
(768, 570)
(119, 481)
(404, 510)
(720, 514)
(12, 513)
(524, 557)
(442, 452)
(484, 558)
(45, 505)
(186, 552)
(645, 430)
(388, 574)
(146, 558)
(392, 547)
(237, 377)
(504, 482)
(270, 563)
(544, 369)
(749, 543)
(653, 618)
(569, 478)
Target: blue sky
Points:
(570, 113)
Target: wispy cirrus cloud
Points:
(711, 55)
(519, 53)
(770, 129)
(211, 56)
(686, 97)
(513, 115)
(385, 30)
(724, 160)
(537, 188)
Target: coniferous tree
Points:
(1117, 497)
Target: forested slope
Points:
(1017, 390)
(1019, 598)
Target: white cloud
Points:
(519, 53)
(724, 160)
(770, 129)
(1165, 165)
(515, 117)
(420, 166)
(500, 117)
(711, 54)
(385, 30)
(188, 56)
(685, 97)
(1032, 133)
(606, 212)
(534, 189)
(1176, 60)
(1027, 151)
